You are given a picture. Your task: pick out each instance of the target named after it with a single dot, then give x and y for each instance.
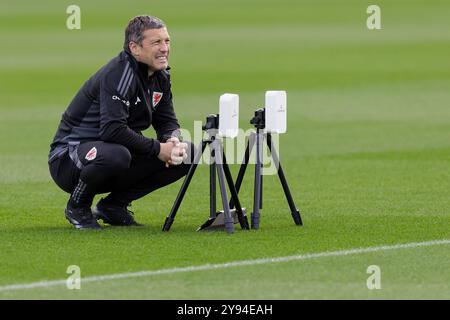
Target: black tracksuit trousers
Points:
(126, 176)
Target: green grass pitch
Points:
(366, 154)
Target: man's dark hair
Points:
(136, 27)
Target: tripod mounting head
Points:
(259, 120)
(212, 122)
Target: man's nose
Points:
(164, 47)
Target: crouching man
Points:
(99, 147)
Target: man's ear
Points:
(135, 49)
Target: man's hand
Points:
(174, 140)
(165, 152)
(173, 152)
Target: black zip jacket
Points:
(115, 105)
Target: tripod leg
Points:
(294, 211)
(170, 218)
(234, 195)
(248, 151)
(257, 191)
(261, 192)
(212, 187)
(261, 176)
(226, 208)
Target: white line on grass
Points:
(206, 267)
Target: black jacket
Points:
(115, 105)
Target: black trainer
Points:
(81, 218)
(114, 215)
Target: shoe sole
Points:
(78, 226)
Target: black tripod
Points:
(257, 138)
(223, 172)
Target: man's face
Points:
(154, 49)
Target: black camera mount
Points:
(258, 121)
(218, 163)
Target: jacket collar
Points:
(139, 67)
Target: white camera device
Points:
(275, 112)
(229, 115)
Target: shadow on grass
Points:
(150, 230)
